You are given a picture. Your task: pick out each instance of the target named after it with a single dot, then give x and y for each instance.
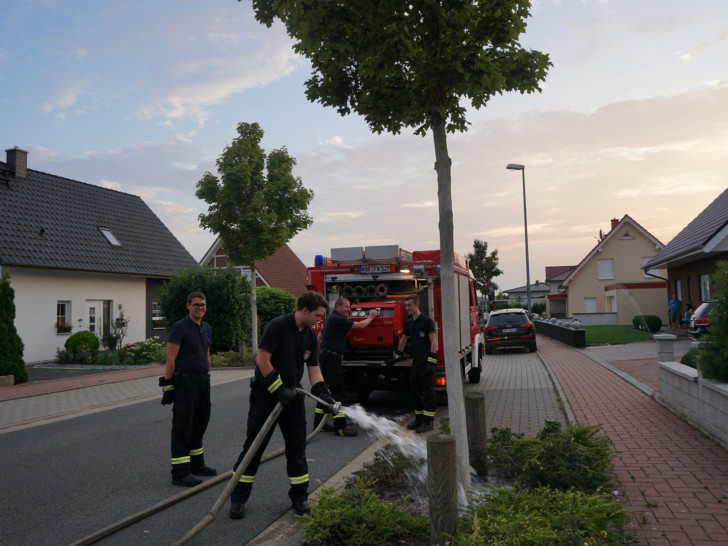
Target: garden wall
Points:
(574, 338)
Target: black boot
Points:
(416, 423)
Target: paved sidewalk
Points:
(672, 477)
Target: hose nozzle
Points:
(335, 408)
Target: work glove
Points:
(398, 355)
(167, 390)
(273, 384)
(320, 390)
(431, 363)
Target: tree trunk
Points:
(254, 311)
(455, 398)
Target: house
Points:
(690, 257)
(281, 270)
(556, 301)
(539, 291)
(79, 254)
(609, 285)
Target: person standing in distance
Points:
(288, 344)
(421, 330)
(186, 385)
(674, 306)
(333, 345)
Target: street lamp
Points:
(522, 168)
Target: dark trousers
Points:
(333, 373)
(422, 386)
(190, 416)
(292, 422)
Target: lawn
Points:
(614, 335)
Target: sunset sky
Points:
(143, 96)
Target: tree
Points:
(484, 266)
(228, 299)
(11, 346)
(410, 63)
(256, 206)
(714, 348)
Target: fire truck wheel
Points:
(474, 375)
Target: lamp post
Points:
(522, 168)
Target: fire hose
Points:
(232, 477)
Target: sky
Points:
(142, 97)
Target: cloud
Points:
(66, 96)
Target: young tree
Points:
(256, 206)
(11, 346)
(411, 63)
(484, 266)
(714, 348)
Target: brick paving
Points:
(674, 479)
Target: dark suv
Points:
(509, 328)
(700, 320)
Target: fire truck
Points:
(380, 277)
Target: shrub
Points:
(714, 349)
(228, 302)
(232, 359)
(574, 458)
(11, 346)
(542, 517)
(147, 351)
(691, 358)
(83, 343)
(538, 308)
(651, 323)
(359, 517)
(272, 303)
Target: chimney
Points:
(17, 161)
(614, 223)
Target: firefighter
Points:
(186, 385)
(420, 329)
(333, 344)
(287, 345)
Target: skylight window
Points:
(110, 236)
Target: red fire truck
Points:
(381, 277)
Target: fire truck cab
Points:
(381, 277)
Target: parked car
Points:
(509, 328)
(700, 320)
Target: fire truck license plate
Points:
(380, 268)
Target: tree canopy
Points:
(483, 265)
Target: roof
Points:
(281, 270)
(53, 222)
(535, 287)
(704, 234)
(558, 272)
(626, 219)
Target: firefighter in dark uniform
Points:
(420, 329)
(186, 384)
(287, 345)
(333, 345)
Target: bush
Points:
(538, 308)
(228, 300)
(147, 351)
(11, 346)
(359, 517)
(542, 517)
(574, 458)
(651, 323)
(84, 344)
(232, 359)
(714, 349)
(691, 358)
(272, 303)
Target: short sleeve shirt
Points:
(194, 343)
(290, 349)
(675, 306)
(418, 331)
(333, 335)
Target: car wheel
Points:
(489, 350)
(532, 348)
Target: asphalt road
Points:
(63, 481)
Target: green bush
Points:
(11, 346)
(232, 359)
(228, 302)
(714, 348)
(691, 358)
(651, 323)
(538, 308)
(83, 343)
(359, 517)
(542, 517)
(147, 351)
(573, 458)
(272, 303)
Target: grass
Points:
(614, 335)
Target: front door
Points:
(95, 317)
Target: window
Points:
(110, 236)
(157, 318)
(63, 317)
(704, 287)
(606, 269)
(678, 291)
(590, 305)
